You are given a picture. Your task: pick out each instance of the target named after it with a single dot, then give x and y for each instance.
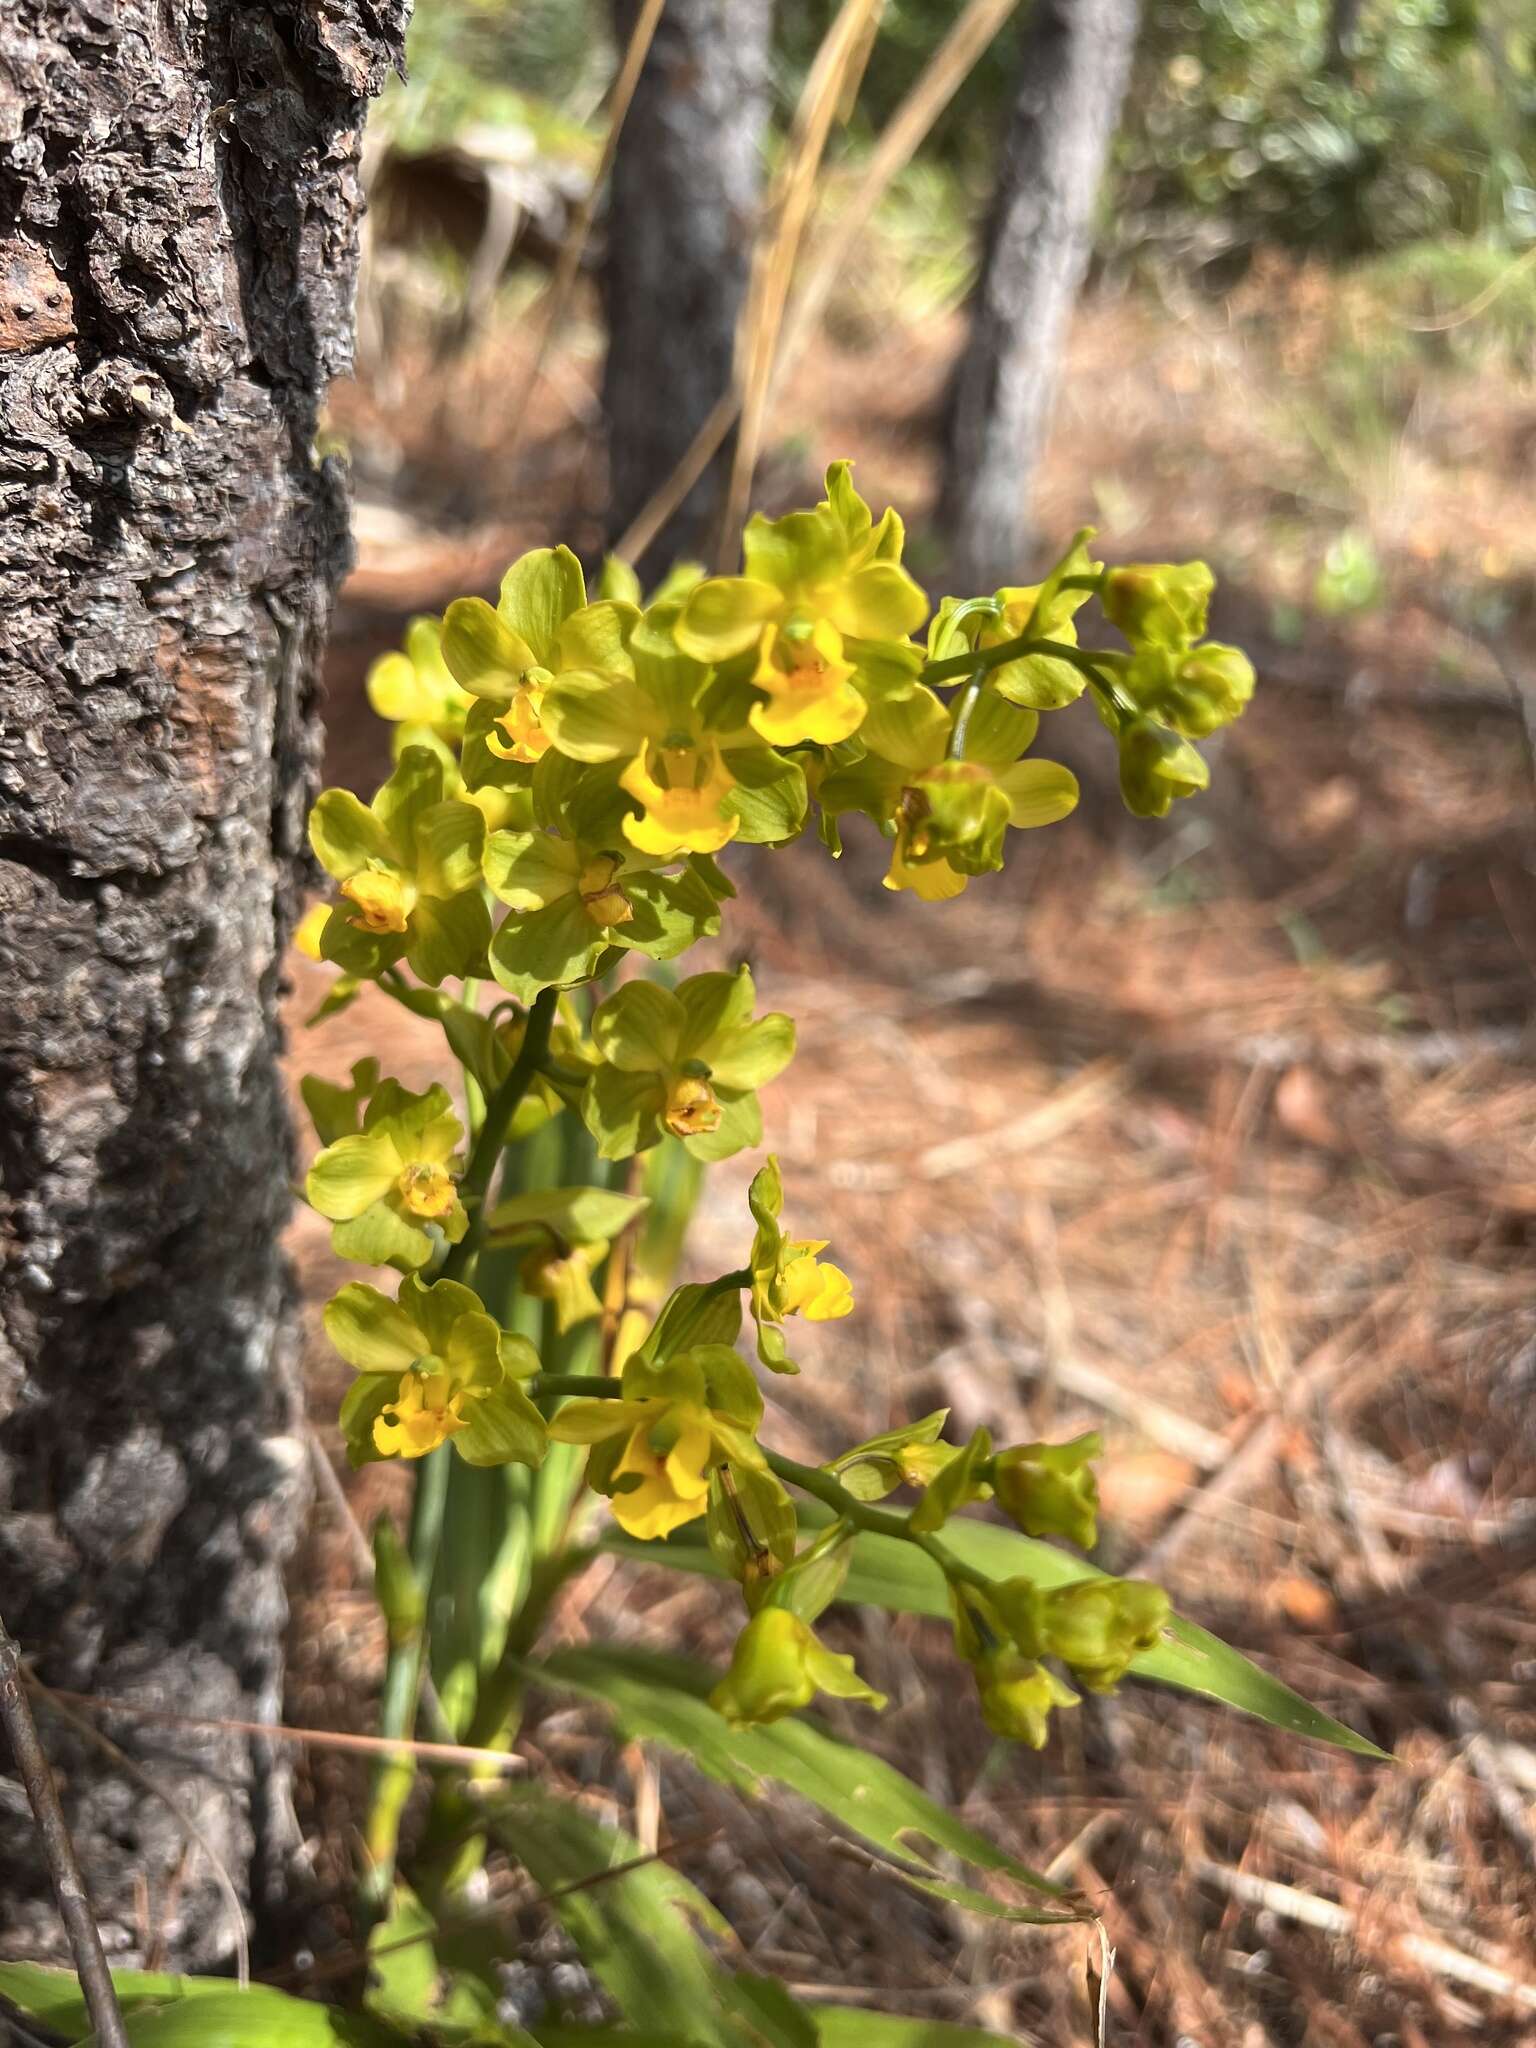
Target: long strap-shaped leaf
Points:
(633, 1929)
(660, 1699)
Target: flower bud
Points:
(1017, 1696)
(1195, 693)
(1159, 601)
(778, 1666)
(1050, 1489)
(1215, 683)
(1156, 766)
(1098, 1626)
(563, 1274)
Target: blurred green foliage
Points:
(539, 65)
(1238, 133)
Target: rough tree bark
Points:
(1075, 58)
(682, 207)
(178, 217)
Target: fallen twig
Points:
(69, 1887)
(189, 1827)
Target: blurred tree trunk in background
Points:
(176, 275)
(682, 210)
(1343, 26)
(1075, 59)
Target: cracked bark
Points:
(682, 212)
(178, 213)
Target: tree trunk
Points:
(178, 216)
(682, 209)
(1343, 26)
(1075, 58)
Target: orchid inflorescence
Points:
(567, 772)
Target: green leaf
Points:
(837, 2026)
(405, 1979)
(257, 2018)
(661, 1699)
(891, 1573)
(192, 2012)
(845, 2027)
(631, 1927)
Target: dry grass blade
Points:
(900, 141)
(314, 1738)
(842, 52)
(577, 235)
(946, 72)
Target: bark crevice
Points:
(177, 256)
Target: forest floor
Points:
(1216, 1135)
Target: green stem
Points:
(402, 1676)
(393, 1777)
(499, 1113)
(824, 1487)
(969, 697)
(978, 660)
(811, 1479)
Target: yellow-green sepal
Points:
(962, 1479)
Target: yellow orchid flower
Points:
(788, 1278)
(654, 1449)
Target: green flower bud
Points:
(1195, 693)
(960, 1480)
(1156, 766)
(1017, 1696)
(563, 1274)
(1019, 1605)
(958, 814)
(396, 1586)
(1098, 1626)
(1050, 1490)
(779, 1666)
(1215, 683)
(1164, 602)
